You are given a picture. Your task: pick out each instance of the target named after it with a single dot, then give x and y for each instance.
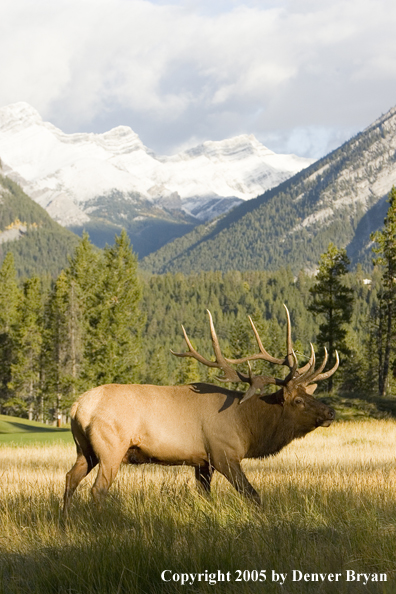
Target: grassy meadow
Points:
(329, 505)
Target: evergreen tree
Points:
(26, 369)
(80, 293)
(84, 268)
(332, 300)
(10, 297)
(386, 309)
(62, 351)
(9, 293)
(113, 345)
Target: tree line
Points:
(102, 320)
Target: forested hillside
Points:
(171, 300)
(38, 244)
(340, 198)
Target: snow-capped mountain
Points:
(342, 198)
(78, 176)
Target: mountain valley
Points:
(340, 198)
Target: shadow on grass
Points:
(127, 566)
(125, 548)
(24, 428)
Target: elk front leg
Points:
(233, 472)
(203, 475)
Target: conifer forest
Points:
(103, 320)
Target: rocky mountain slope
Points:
(39, 244)
(340, 198)
(106, 181)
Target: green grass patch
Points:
(21, 432)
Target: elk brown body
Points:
(201, 425)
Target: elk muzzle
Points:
(326, 419)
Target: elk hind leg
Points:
(108, 468)
(83, 466)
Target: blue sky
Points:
(303, 76)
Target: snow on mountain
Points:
(342, 198)
(67, 173)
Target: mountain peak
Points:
(70, 173)
(229, 146)
(341, 199)
(21, 109)
(19, 114)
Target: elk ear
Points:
(311, 389)
(279, 396)
(251, 392)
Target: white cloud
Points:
(180, 72)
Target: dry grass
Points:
(329, 504)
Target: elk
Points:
(201, 425)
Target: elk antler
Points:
(230, 375)
(304, 375)
(256, 382)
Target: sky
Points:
(303, 76)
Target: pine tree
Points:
(10, 297)
(26, 369)
(333, 301)
(84, 269)
(386, 312)
(113, 345)
(81, 294)
(63, 342)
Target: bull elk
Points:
(200, 425)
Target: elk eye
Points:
(299, 400)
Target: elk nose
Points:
(331, 414)
(327, 419)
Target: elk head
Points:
(296, 389)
